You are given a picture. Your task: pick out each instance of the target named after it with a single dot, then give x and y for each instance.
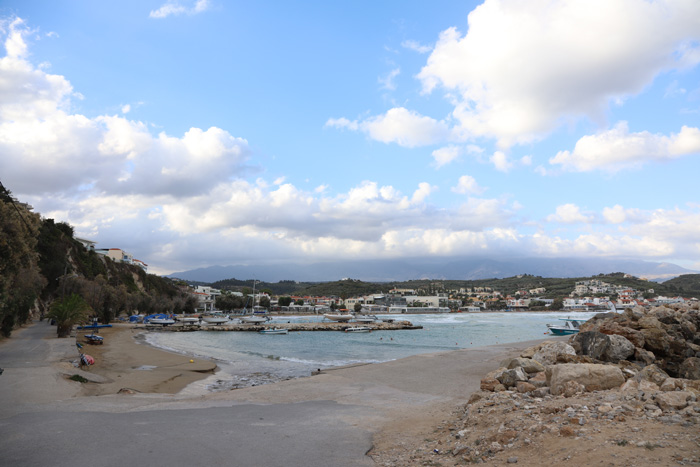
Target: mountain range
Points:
(434, 268)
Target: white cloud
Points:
(446, 155)
(522, 68)
(126, 109)
(173, 8)
(387, 81)
(501, 162)
(342, 123)
(424, 190)
(406, 128)
(468, 185)
(617, 148)
(416, 46)
(569, 214)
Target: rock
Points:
(541, 392)
(512, 460)
(675, 400)
(510, 378)
(539, 380)
(652, 373)
(608, 348)
(524, 387)
(657, 341)
(614, 328)
(592, 376)
(527, 364)
(489, 384)
(549, 352)
(644, 356)
(690, 368)
(571, 388)
(567, 431)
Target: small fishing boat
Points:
(570, 326)
(274, 331)
(189, 320)
(358, 329)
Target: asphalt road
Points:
(36, 429)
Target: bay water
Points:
(250, 358)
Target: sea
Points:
(250, 359)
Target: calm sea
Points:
(249, 358)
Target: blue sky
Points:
(196, 133)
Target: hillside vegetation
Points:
(686, 285)
(41, 262)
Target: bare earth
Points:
(415, 409)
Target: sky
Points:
(194, 133)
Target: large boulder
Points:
(652, 373)
(550, 352)
(593, 377)
(611, 327)
(657, 341)
(608, 348)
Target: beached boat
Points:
(163, 321)
(366, 318)
(254, 319)
(94, 339)
(215, 319)
(358, 329)
(189, 320)
(569, 326)
(338, 316)
(274, 331)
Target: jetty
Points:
(290, 327)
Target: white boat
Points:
(358, 329)
(189, 320)
(343, 317)
(258, 316)
(163, 321)
(215, 319)
(274, 331)
(366, 318)
(570, 326)
(253, 319)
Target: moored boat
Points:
(274, 331)
(358, 329)
(162, 321)
(570, 326)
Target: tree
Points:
(68, 312)
(265, 301)
(357, 307)
(299, 302)
(284, 301)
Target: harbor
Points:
(290, 327)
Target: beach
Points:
(153, 407)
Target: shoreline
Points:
(127, 362)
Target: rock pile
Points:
(626, 381)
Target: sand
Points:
(126, 362)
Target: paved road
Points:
(36, 429)
(325, 420)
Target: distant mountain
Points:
(435, 268)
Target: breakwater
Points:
(291, 327)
